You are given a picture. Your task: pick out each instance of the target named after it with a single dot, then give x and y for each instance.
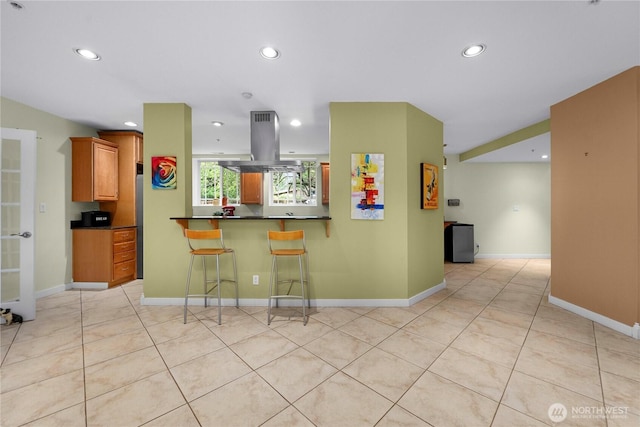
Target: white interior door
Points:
(17, 201)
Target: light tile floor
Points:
(488, 350)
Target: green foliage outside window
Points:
(295, 188)
(216, 183)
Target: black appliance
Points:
(96, 219)
(459, 243)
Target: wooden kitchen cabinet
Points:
(123, 212)
(94, 170)
(139, 148)
(104, 256)
(325, 183)
(251, 188)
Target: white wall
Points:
(508, 203)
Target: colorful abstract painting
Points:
(429, 178)
(164, 175)
(367, 186)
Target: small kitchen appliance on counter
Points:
(228, 210)
(96, 219)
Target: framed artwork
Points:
(164, 175)
(367, 186)
(429, 186)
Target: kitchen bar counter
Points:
(214, 220)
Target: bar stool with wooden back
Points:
(208, 243)
(288, 244)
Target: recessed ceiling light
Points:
(269, 52)
(247, 95)
(131, 124)
(295, 123)
(544, 156)
(87, 54)
(473, 50)
(16, 5)
(217, 124)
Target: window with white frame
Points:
(214, 185)
(294, 188)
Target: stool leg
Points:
(235, 278)
(276, 281)
(273, 267)
(204, 271)
(186, 292)
(218, 280)
(307, 275)
(304, 306)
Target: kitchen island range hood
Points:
(265, 148)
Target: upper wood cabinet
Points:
(325, 183)
(138, 143)
(94, 169)
(123, 213)
(251, 188)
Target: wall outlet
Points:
(256, 279)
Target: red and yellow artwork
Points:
(429, 178)
(367, 186)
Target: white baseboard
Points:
(262, 302)
(89, 285)
(632, 331)
(427, 293)
(514, 256)
(51, 291)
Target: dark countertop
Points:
(183, 221)
(231, 217)
(75, 225)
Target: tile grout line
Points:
(513, 369)
(499, 402)
(467, 285)
(84, 362)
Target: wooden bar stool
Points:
(288, 244)
(208, 243)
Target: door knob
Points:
(26, 234)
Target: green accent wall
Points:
(402, 255)
(425, 227)
(167, 132)
(395, 258)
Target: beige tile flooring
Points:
(488, 350)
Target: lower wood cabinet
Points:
(104, 255)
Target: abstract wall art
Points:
(429, 186)
(367, 186)
(164, 175)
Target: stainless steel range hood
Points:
(265, 148)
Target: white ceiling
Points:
(205, 54)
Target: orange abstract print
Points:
(429, 177)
